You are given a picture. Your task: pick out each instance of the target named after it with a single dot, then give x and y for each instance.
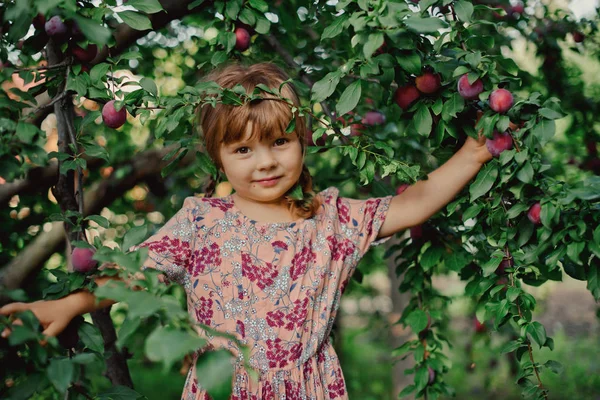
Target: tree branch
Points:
(30, 260)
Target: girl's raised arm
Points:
(423, 199)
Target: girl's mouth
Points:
(269, 181)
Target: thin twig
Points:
(61, 65)
(462, 43)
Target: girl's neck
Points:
(264, 212)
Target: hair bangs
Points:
(268, 119)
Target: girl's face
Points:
(262, 171)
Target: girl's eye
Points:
(243, 150)
(281, 141)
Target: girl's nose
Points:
(266, 160)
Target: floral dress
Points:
(275, 286)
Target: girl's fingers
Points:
(6, 331)
(52, 330)
(13, 308)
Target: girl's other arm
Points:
(55, 315)
(423, 199)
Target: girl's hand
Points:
(54, 315)
(478, 149)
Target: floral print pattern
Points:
(275, 286)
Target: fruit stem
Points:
(514, 141)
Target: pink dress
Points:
(275, 286)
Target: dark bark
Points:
(143, 166)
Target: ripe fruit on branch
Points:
(113, 118)
(578, 37)
(479, 327)
(39, 21)
(402, 188)
(406, 95)
(534, 213)
(416, 232)
(242, 39)
(501, 100)
(431, 375)
(55, 27)
(468, 91)
(85, 55)
(373, 118)
(82, 260)
(500, 142)
(428, 82)
(223, 189)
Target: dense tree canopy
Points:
(99, 145)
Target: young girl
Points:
(263, 266)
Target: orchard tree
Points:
(99, 140)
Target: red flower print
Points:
(241, 328)
(337, 387)
(267, 391)
(340, 248)
(204, 312)
(244, 396)
(296, 352)
(218, 203)
(343, 211)
(276, 354)
(206, 256)
(292, 390)
(179, 251)
(301, 261)
(279, 245)
(370, 210)
(298, 314)
(275, 318)
(263, 275)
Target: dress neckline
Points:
(236, 210)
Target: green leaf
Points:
(259, 5)
(26, 132)
(452, 106)
(457, 260)
(525, 174)
(337, 27)
(544, 130)
(134, 236)
(511, 346)
(424, 25)
(149, 86)
(411, 63)
(60, 372)
(119, 393)
(464, 10)
(423, 120)
(537, 333)
(91, 337)
(417, 320)
(549, 113)
(484, 181)
(135, 20)
(147, 6)
(349, 98)
(554, 366)
(431, 257)
(374, 42)
(214, 371)
(100, 220)
(99, 72)
(93, 30)
(324, 88)
(516, 210)
(167, 345)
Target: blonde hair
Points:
(225, 124)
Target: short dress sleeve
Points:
(170, 248)
(359, 220)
